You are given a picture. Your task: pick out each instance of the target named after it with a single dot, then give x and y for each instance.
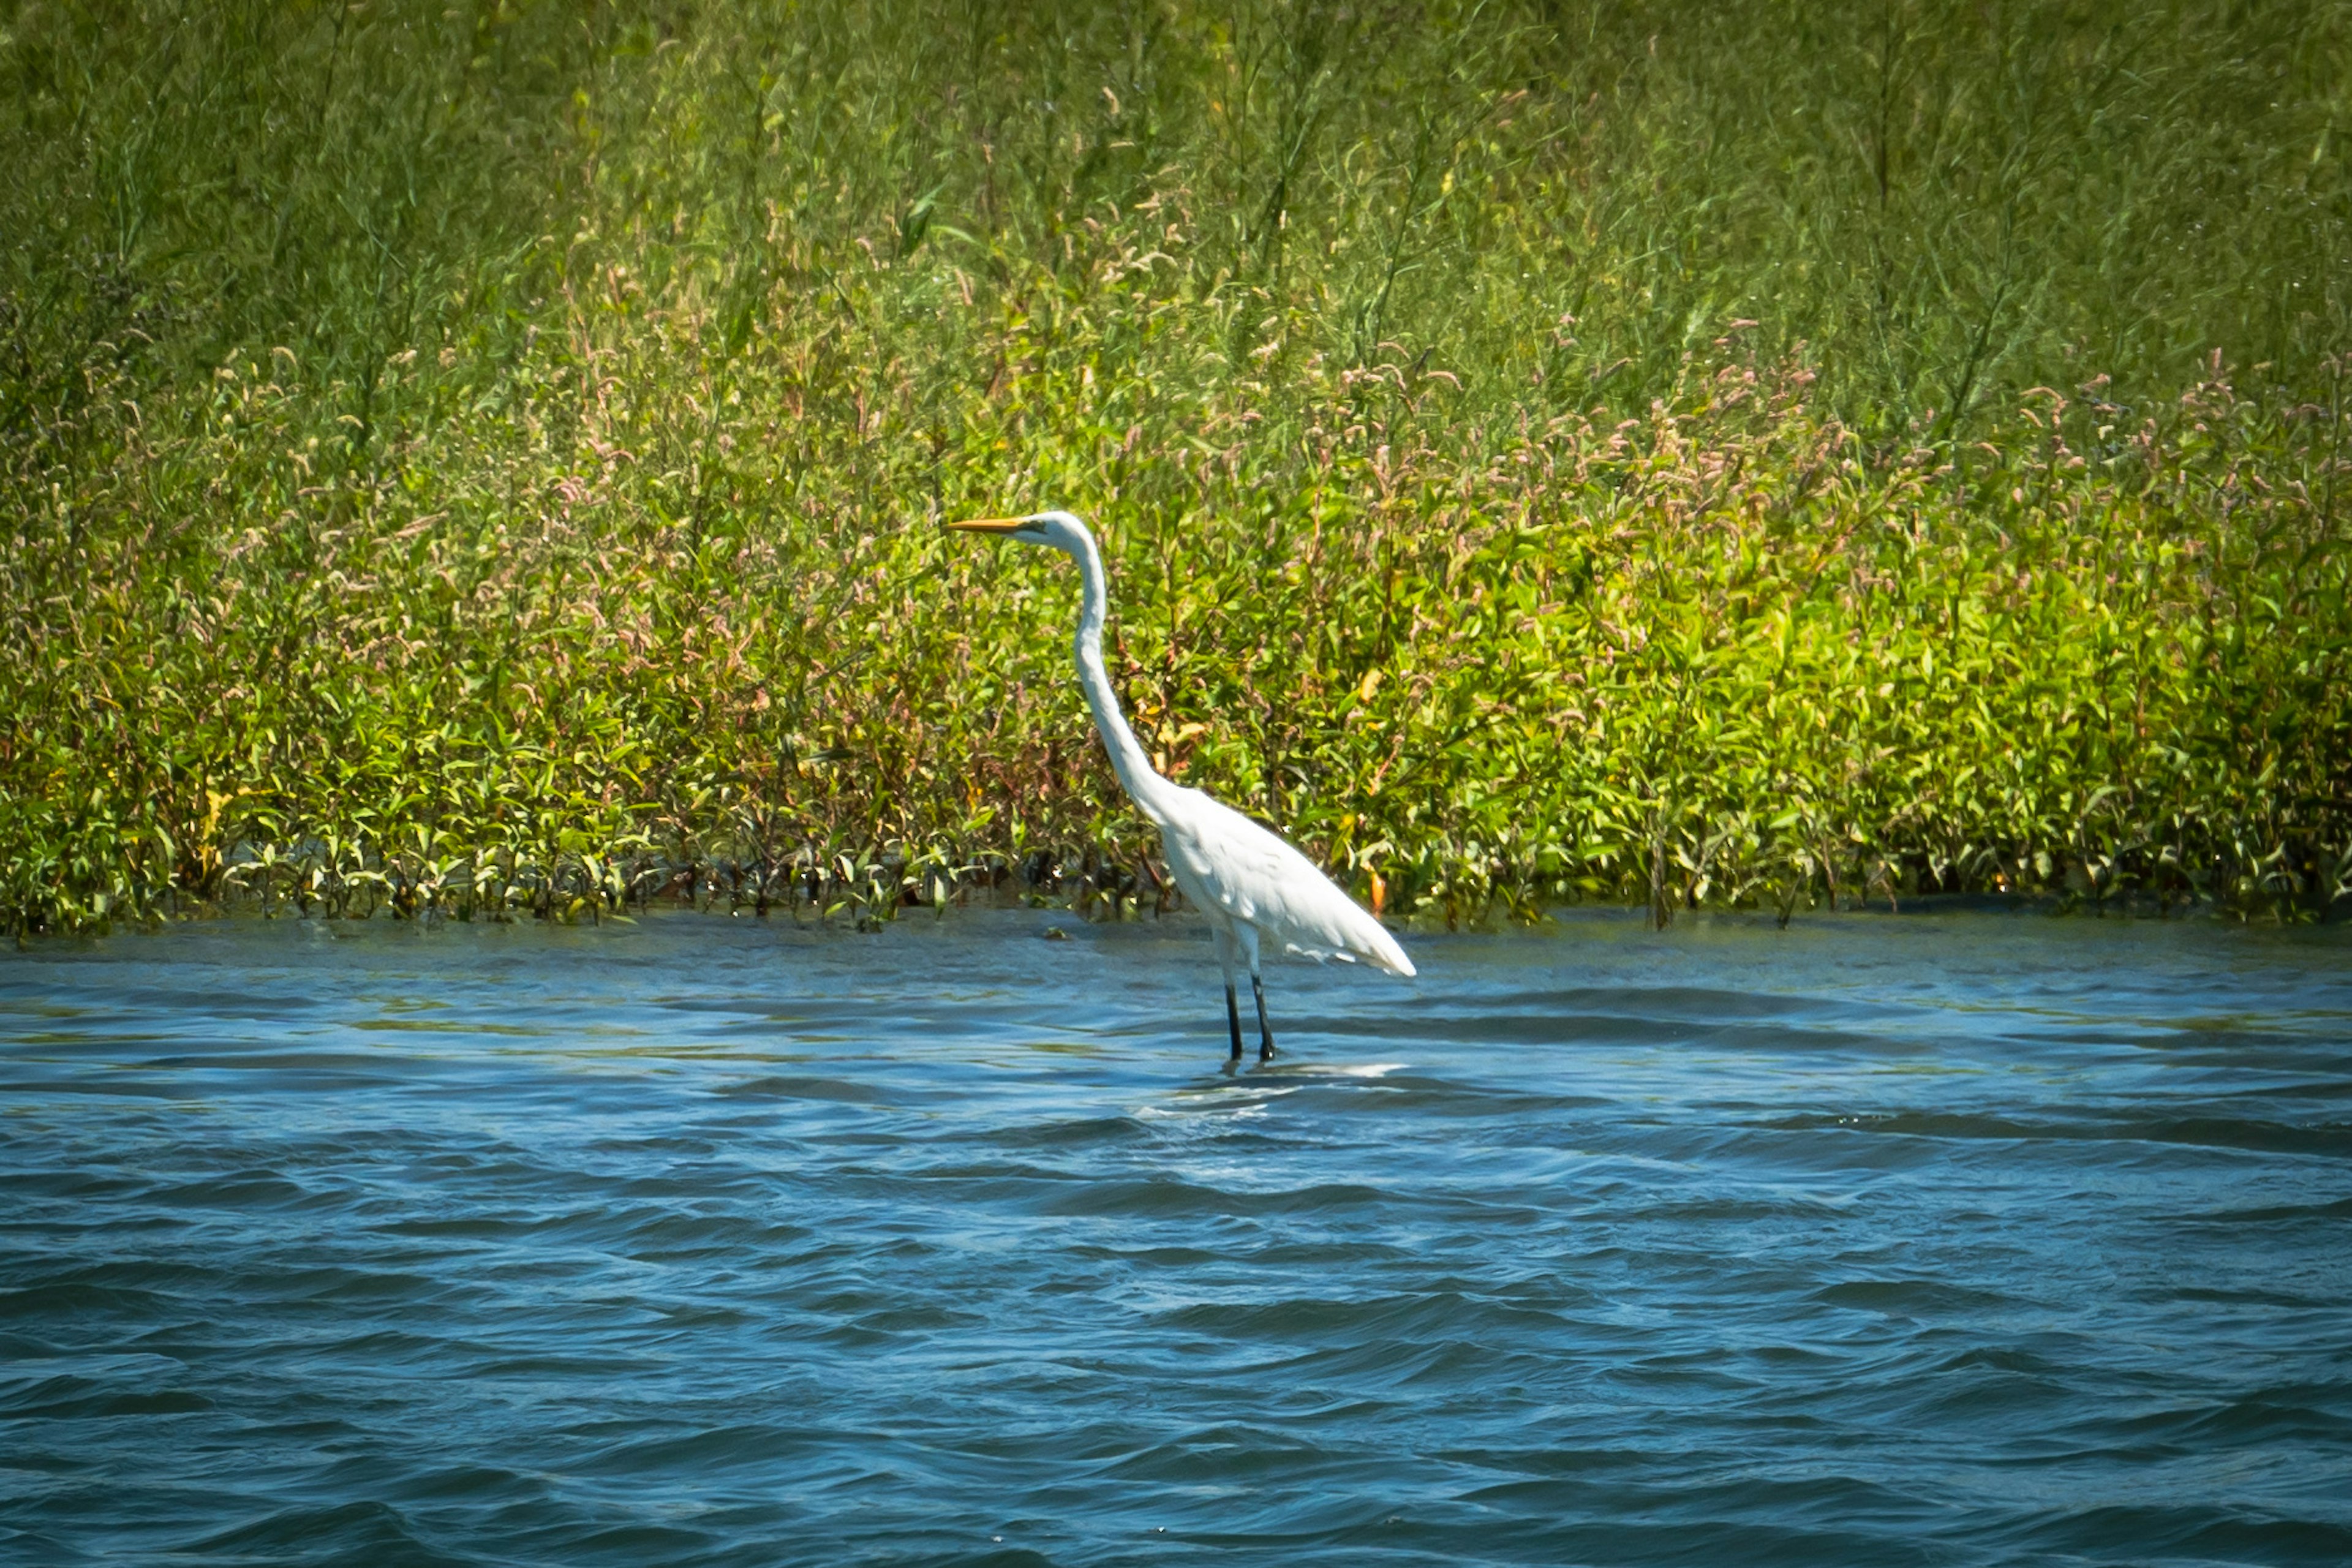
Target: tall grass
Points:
(492, 458)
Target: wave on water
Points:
(948, 1247)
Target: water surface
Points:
(1946, 1239)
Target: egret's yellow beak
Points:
(990, 524)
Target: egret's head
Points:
(1056, 529)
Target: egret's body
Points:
(1255, 890)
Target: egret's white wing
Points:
(1247, 874)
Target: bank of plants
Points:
(497, 468)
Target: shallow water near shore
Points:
(1935, 1240)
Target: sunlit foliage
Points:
(491, 457)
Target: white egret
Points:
(1255, 890)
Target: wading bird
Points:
(1254, 889)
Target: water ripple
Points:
(1915, 1240)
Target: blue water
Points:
(1944, 1239)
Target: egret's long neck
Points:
(1145, 787)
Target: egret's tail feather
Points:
(1380, 950)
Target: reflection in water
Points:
(1920, 1239)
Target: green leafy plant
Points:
(480, 463)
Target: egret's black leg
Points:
(1264, 1035)
(1233, 1017)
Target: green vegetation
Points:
(491, 457)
